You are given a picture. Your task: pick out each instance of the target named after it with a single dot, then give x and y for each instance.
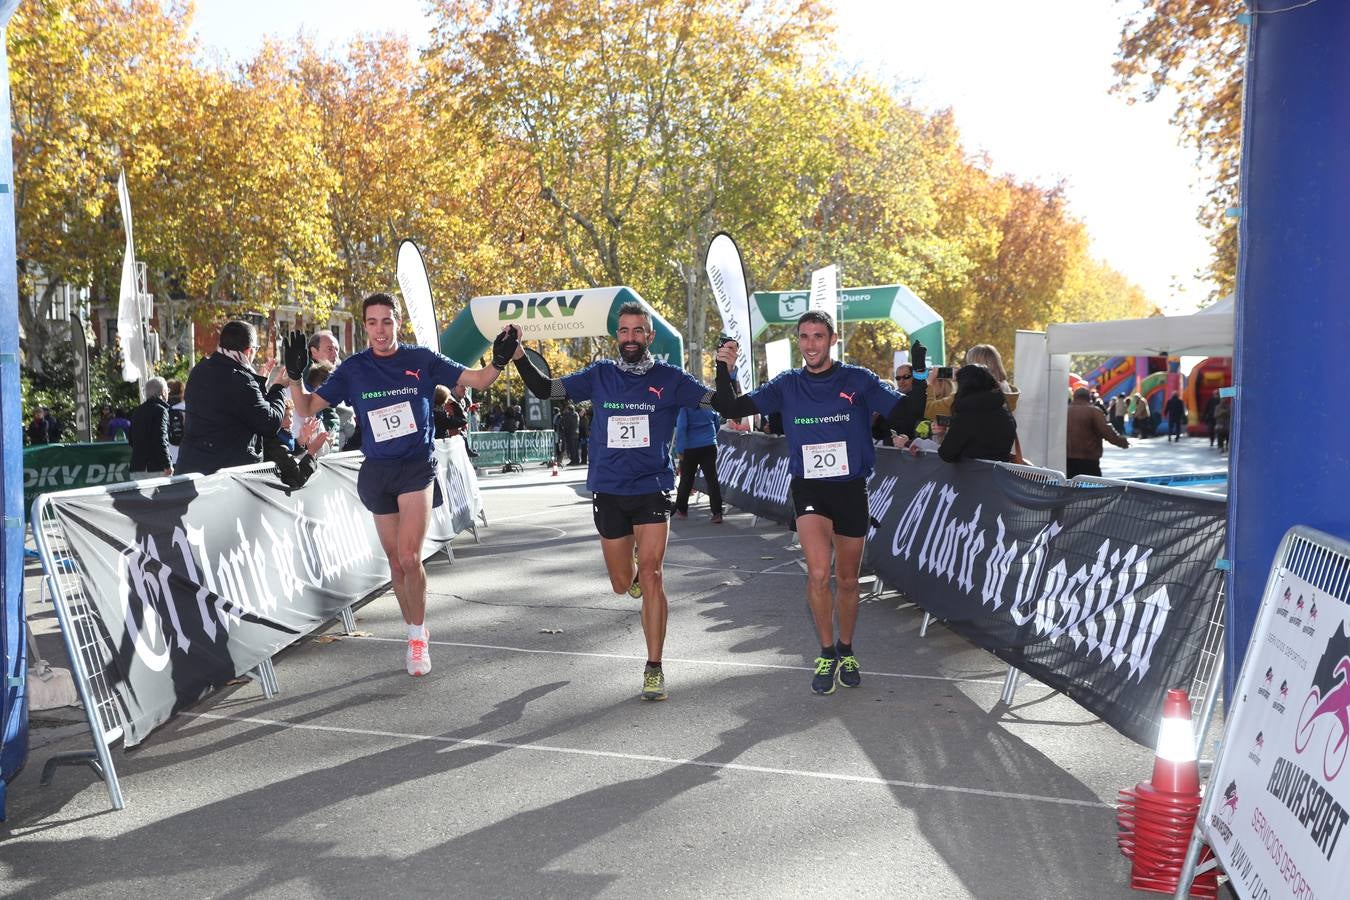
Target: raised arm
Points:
(724, 400)
(537, 382)
(503, 348)
(905, 415)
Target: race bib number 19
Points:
(825, 460)
(629, 431)
(392, 421)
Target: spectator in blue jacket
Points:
(696, 447)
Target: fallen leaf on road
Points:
(242, 679)
(327, 638)
(359, 634)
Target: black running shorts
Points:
(842, 502)
(616, 514)
(381, 481)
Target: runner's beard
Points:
(632, 353)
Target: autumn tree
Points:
(86, 77)
(1195, 48)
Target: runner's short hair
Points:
(379, 298)
(313, 343)
(633, 308)
(817, 315)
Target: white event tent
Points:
(1041, 364)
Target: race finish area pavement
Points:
(524, 764)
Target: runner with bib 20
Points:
(635, 402)
(827, 414)
(391, 387)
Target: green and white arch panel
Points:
(592, 312)
(887, 302)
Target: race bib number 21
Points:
(627, 432)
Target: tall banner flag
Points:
(726, 276)
(416, 288)
(825, 291)
(825, 297)
(129, 335)
(79, 351)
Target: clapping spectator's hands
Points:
(313, 436)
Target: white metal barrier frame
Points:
(86, 647)
(1321, 559)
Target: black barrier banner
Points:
(1102, 593)
(196, 581)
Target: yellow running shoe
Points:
(653, 684)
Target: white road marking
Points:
(699, 662)
(660, 760)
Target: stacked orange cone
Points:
(1155, 820)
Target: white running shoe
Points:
(419, 655)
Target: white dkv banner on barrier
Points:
(1279, 799)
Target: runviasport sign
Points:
(1279, 800)
(1102, 593)
(194, 582)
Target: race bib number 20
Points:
(826, 460)
(629, 431)
(392, 421)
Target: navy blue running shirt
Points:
(633, 420)
(827, 419)
(392, 398)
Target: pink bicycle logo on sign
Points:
(1329, 701)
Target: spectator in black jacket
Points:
(981, 426)
(229, 410)
(149, 433)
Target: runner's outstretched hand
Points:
(296, 354)
(504, 347)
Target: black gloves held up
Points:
(504, 347)
(918, 356)
(295, 352)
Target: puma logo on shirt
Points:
(418, 374)
(655, 390)
(848, 397)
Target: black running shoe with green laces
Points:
(823, 681)
(849, 676)
(653, 684)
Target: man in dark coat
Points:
(228, 410)
(1176, 417)
(149, 433)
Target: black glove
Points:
(918, 357)
(295, 352)
(504, 347)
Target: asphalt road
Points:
(524, 764)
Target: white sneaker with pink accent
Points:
(419, 655)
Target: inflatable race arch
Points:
(591, 312)
(888, 302)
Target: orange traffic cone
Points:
(1155, 820)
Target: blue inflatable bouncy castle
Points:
(13, 647)
(1291, 438)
